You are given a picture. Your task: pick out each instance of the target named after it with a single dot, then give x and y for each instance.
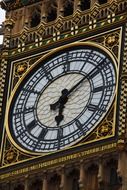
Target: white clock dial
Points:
(74, 106)
(62, 99)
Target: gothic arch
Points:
(68, 7)
(35, 18)
(102, 1)
(85, 4)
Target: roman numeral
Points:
(79, 125)
(31, 125)
(25, 111)
(101, 88)
(30, 91)
(87, 55)
(66, 67)
(97, 69)
(59, 136)
(92, 107)
(42, 134)
(47, 72)
(98, 89)
(94, 73)
(28, 110)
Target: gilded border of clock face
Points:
(35, 67)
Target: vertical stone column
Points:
(92, 2)
(60, 8)
(44, 11)
(8, 25)
(23, 16)
(63, 179)
(26, 16)
(21, 19)
(77, 5)
(122, 169)
(18, 19)
(101, 175)
(45, 183)
(9, 14)
(26, 183)
(82, 176)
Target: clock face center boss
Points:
(62, 98)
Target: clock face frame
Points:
(31, 123)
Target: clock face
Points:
(62, 99)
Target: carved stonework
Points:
(123, 107)
(80, 22)
(11, 155)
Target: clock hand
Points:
(59, 117)
(85, 77)
(55, 105)
(66, 93)
(63, 99)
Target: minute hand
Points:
(64, 96)
(76, 85)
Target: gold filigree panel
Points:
(106, 128)
(12, 155)
(111, 40)
(20, 68)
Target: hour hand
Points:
(55, 105)
(62, 100)
(59, 118)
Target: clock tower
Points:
(63, 95)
